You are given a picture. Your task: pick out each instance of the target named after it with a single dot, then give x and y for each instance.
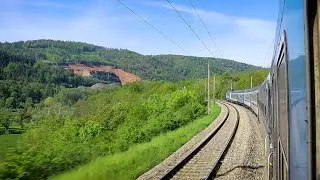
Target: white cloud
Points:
(239, 38)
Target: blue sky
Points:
(243, 30)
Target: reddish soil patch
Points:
(83, 70)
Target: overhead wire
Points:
(215, 44)
(278, 29)
(268, 51)
(280, 19)
(282, 12)
(153, 27)
(190, 27)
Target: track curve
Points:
(204, 161)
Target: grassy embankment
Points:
(141, 157)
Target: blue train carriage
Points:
(287, 102)
(263, 104)
(246, 97)
(291, 109)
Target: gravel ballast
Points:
(162, 168)
(245, 158)
(201, 165)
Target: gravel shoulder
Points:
(159, 170)
(245, 158)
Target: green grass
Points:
(141, 157)
(7, 142)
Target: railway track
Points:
(204, 161)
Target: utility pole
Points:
(205, 90)
(214, 88)
(208, 86)
(251, 82)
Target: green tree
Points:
(10, 102)
(11, 70)
(5, 119)
(23, 116)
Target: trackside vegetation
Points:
(52, 125)
(141, 157)
(240, 80)
(77, 126)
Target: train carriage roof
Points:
(245, 90)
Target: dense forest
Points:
(148, 67)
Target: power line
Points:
(190, 28)
(268, 51)
(280, 18)
(282, 12)
(195, 9)
(153, 27)
(278, 28)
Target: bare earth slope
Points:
(84, 70)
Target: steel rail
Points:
(174, 170)
(217, 165)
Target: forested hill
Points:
(148, 67)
